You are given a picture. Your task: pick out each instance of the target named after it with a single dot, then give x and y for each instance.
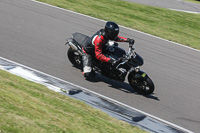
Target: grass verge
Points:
(175, 26)
(194, 1)
(27, 107)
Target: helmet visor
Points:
(112, 34)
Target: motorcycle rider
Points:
(94, 45)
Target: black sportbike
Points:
(130, 63)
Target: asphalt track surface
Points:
(171, 4)
(34, 35)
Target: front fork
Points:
(137, 73)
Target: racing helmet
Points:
(111, 30)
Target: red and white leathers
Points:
(93, 48)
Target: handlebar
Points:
(131, 45)
(127, 56)
(130, 50)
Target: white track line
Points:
(119, 25)
(164, 121)
(184, 11)
(115, 101)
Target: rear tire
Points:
(143, 86)
(75, 58)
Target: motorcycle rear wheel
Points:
(75, 58)
(141, 86)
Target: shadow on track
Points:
(123, 86)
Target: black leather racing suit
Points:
(93, 49)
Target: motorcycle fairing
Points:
(114, 52)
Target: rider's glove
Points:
(114, 62)
(131, 41)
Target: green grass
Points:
(194, 1)
(175, 26)
(27, 107)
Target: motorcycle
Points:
(130, 63)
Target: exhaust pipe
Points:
(74, 47)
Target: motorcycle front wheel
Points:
(75, 58)
(143, 86)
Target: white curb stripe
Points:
(154, 117)
(119, 25)
(176, 126)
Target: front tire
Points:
(144, 86)
(75, 58)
